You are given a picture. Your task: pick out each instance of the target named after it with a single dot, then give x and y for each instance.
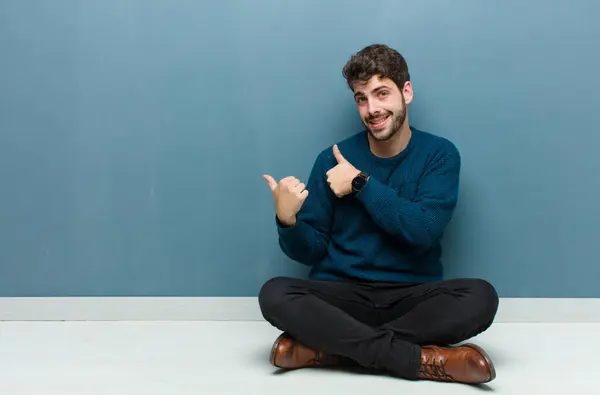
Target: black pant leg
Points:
(338, 318)
(441, 313)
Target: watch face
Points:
(358, 183)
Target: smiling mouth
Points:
(378, 123)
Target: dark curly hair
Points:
(376, 59)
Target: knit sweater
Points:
(391, 230)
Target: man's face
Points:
(382, 106)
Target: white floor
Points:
(174, 358)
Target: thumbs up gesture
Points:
(289, 195)
(340, 177)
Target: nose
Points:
(372, 107)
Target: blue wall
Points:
(134, 135)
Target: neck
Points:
(393, 146)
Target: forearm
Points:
(308, 239)
(420, 222)
(302, 242)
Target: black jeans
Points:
(379, 326)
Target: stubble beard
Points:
(392, 129)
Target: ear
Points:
(407, 91)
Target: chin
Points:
(381, 135)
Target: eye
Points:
(383, 94)
(360, 99)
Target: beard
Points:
(397, 120)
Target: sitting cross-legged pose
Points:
(369, 223)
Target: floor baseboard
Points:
(511, 310)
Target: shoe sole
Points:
(487, 358)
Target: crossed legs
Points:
(380, 326)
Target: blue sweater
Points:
(391, 230)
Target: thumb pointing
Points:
(270, 181)
(338, 155)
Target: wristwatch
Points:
(359, 182)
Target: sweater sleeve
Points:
(422, 220)
(307, 241)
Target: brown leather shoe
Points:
(288, 353)
(467, 363)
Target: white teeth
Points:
(378, 121)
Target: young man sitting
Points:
(369, 223)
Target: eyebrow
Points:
(380, 87)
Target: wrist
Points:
(359, 182)
(287, 221)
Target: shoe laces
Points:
(433, 369)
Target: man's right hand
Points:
(289, 195)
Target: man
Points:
(369, 223)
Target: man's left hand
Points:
(340, 177)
